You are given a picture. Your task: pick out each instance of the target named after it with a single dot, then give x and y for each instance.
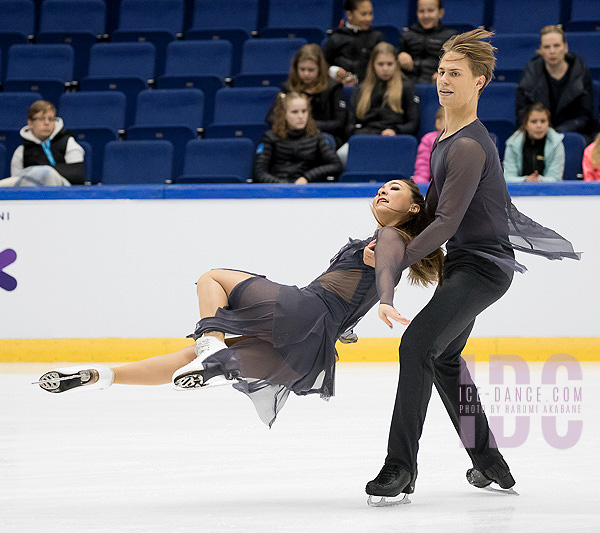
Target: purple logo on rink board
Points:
(513, 407)
(7, 282)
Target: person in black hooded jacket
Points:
(294, 151)
(348, 49)
(561, 81)
(420, 45)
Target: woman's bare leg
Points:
(213, 289)
(153, 370)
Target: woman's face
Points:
(384, 65)
(393, 202)
(308, 71)
(429, 13)
(456, 84)
(537, 125)
(362, 16)
(296, 113)
(553, 48)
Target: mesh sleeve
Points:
(464, 165)
(389, 252)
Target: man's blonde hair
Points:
(40, 106)
(477, 50)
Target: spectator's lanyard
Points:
(46, 148)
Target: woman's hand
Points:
(388, 132)
(534, 176)
(406, 61)
(301, 181)
(369, 254)
(387, 312)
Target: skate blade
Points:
(508, 492)
(195, 380)
(388, 501)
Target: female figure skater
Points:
(474, 214)
(288, 334)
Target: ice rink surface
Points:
(153, 459)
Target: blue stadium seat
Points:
(45, 68)
(574, 144)
(79, 23)
(123, 67)
(217, 161)
(514, 51)
(13, 116)
(3, 162)
(96, 118)
(378, 158)
(586, 45)
(516, 16)
(200, 65)
(231, 20)
(584, 16)
(309, 19)
(497, 111)
(137, 162)
(390, 16)
(464, 15)
(430, 103)
(241, 112)
(16, 26)
(173, 115)
(157, 21)
(596, 86)
(266, 62)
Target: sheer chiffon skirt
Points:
(288, 342)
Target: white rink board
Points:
(126, 268)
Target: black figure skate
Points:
(498, 473)
(391, 487)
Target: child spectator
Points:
(308, 75)
(535, 152)
(383, 104)
(561, 81)
(420, 45)
(347, 49)
(422, 172)
(49, 154)
(294, 151)
(591, 161)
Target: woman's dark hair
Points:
(428, 270)
(352, 5)
(538, 106)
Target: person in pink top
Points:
(591, 161)
(422, 173)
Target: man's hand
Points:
(387, 312)
(369, 254)
(388, 132)
(406, 61)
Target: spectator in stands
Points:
(383, 104)
(422, 172)
(49, 154)
(591, 161)
(561, 81)
(294, 151)
(420, 45)
(347, 50)
(308, 75)
(535, 152)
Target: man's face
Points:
(42, 124)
